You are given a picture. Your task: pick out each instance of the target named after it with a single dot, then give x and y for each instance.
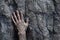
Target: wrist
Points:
(22, 35)
(22, 32)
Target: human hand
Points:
(18, 20)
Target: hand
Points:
(18, 20)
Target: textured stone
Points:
(44, 19)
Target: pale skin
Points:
(21, 25)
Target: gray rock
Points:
(44, 16)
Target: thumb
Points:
(27, 21)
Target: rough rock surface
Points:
(44, 16)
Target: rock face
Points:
(44, 16)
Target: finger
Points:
(22, 18)
(27, 20)
(15, 16)
(18, 14)
(13, 20)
